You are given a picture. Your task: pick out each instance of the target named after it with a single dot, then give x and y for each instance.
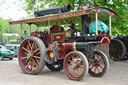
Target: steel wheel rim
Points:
(97, 66)
(70, 63)
(29, 55)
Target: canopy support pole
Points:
(49, 26)
(110, 24)
(96, 23)
(21, 30)
(83, 24)
(37, 28)
(30, 29)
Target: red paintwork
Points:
(55, 36)
(48, 40)
(68, 46)
(105, 40)
(59, 37)
(47, 36)
(35, 33)
(61, 54)
(55, 29)
(63, 49)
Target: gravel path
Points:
(11, 74)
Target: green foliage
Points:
(119, 26)
(14, 42)
(14, 28)
(3, 26)
(1, 43)
(10, 37)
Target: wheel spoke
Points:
(27, 64)
(26, 50)
(36, 57)
(32, 46)
(74, 72)
(29, 45)
(101, 67)
(101, 63)
(37, 61)
(79, 61)
(78, 72)
(90, 61)
(71, 70)
(95, 69)
(92, 66)
(69, 65)
(77, 58)
(24, 58)
(32, 66)
(38, 53)
(34, 62)
(25, 53)
(36, 50)
(81, 65)
(98, 70)
(100, 60)
(71, 61)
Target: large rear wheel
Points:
(99, 64)
(117, 49)
(31, 55)
(75, 65)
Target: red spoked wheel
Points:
(75, 65)
(31, 55)
(99, 64)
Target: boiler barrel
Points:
(54, 10)
(84, 44)
(72, 46)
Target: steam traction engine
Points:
(71, 50)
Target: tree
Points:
(31, 5)
(120, 26)
(3, 26)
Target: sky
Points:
(12, 9)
